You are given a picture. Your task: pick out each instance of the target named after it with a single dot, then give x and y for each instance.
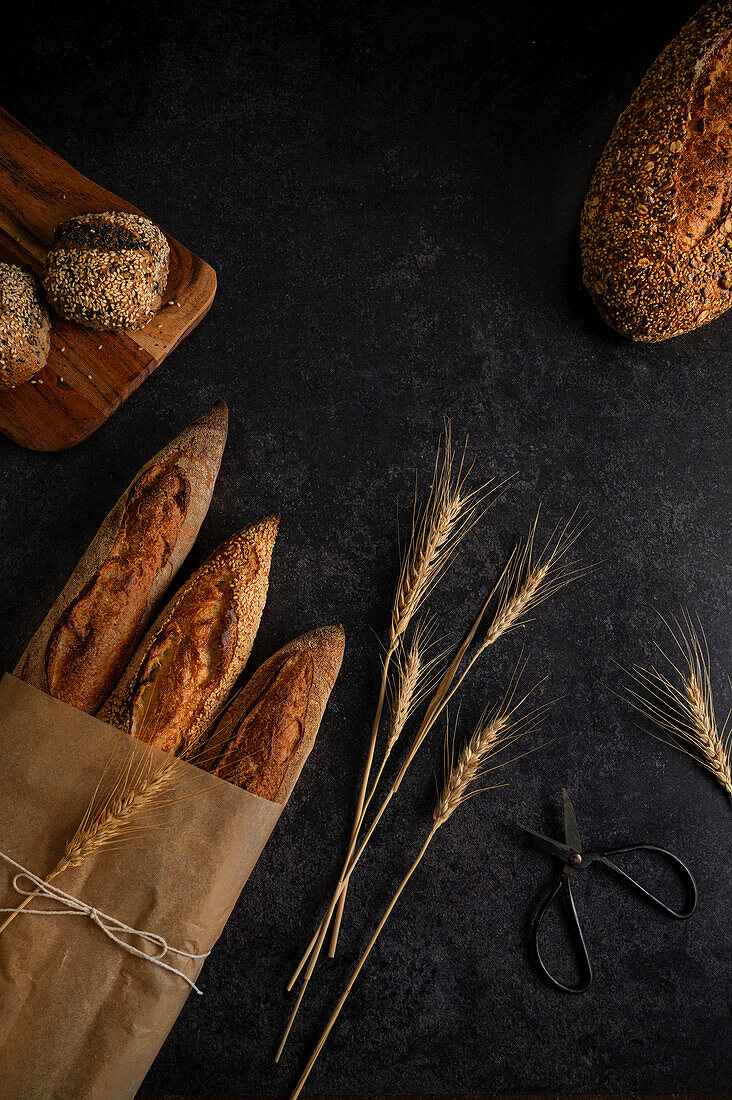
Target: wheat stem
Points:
(492, 734)
(518, 591)
(138, 789)
(448, 515)
(342, 1000)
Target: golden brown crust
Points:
(266, 734)
(656, 231)
(107, 271)
(83, 645)
(95, 636)
(185, 667)
(25, 327)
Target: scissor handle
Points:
(684, 872)
(585, 982)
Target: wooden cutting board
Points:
(88, 374)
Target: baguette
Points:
(186, 665)
(265, 736)
(83, 645)
(656, 232)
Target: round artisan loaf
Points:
(107, 271)
(657, 223)
(25, 330)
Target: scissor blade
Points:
(571, 832)
(554, 847)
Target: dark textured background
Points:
(390, 195)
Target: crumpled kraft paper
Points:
(79, 1017)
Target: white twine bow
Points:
(73, 907)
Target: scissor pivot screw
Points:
(575, 859)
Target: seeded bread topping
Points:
(25, 329)
(656, 230)
(107, 271)
(173, 687)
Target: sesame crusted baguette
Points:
(183, 671)
(265, 736)
(656, 233)
(85, 642)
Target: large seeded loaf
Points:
(84, 644)
(265, 736)
(186, 665)
(656, 231)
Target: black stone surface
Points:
(390, 195)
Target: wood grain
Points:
(82, 383)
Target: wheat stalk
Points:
(437, 531)
(684, 711)
(111, 817)
(516, 592)
(494, 733)
(528, 580)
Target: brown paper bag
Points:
(79, 1016)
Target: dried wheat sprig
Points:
(528, 580)
(112, 815)
(517, 589)
(685, 711)
(494, 733)
(450, 512)
(416, 678)
(412, 682)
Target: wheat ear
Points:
(494, 733)
(524, 584)
(112, 816)
(449, 513)
(684, 711)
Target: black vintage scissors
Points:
(574, 860)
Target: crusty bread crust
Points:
(107, 271)
(182, 672)
(90, 657)
(25, 327)
(656, 232)
(265, 736)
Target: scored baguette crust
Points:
(83, 645)
(190, 658)
(656, 232)
(265, 736)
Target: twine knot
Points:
(112, 928)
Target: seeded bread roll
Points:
(656, 230)
(84, 644)
(107, 271)
(25, 329)
(267, 732)
(185, 667)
